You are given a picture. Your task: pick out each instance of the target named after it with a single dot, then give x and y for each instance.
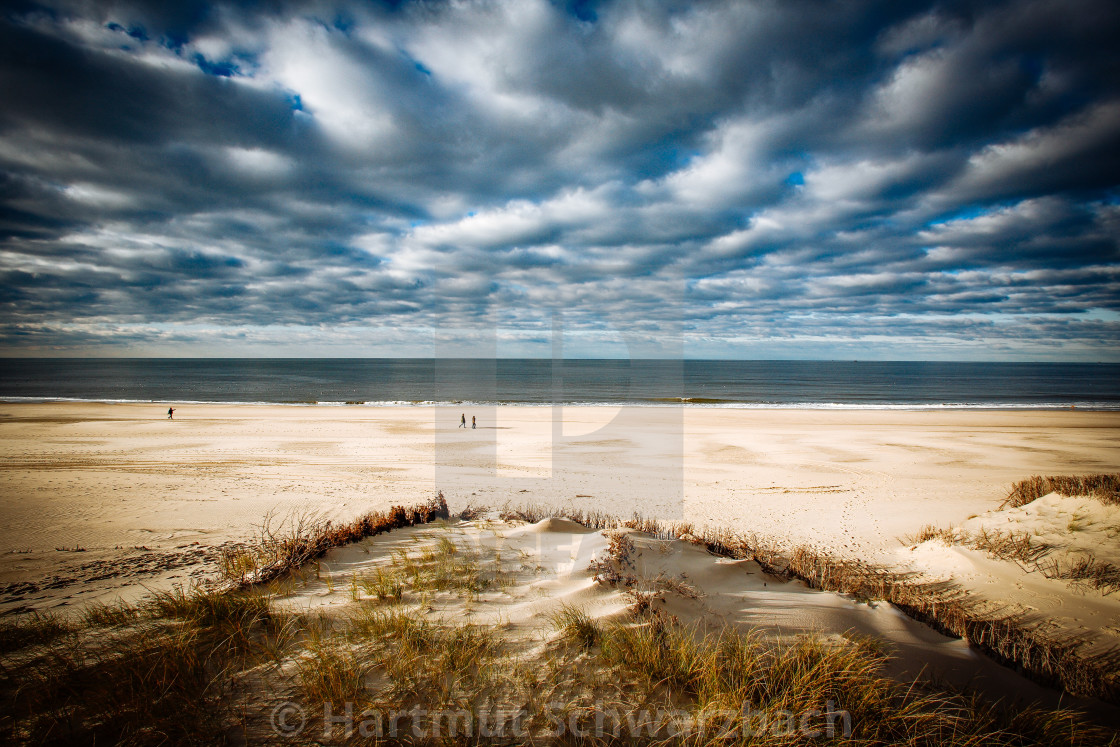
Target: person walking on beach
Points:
(473, 423)
(463, 421)
(170, 413)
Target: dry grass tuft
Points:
(386, 584)
(678, 586)
(615, 569)
(1103, 487)
(577, 626)
(106, 615)
(1097, 574)
(32, 630)
(282, 549)
(927, 533)
(1017, 546)
(531, 514)
(470, 513)
(440, 567)
(419, 661)
(209, 608)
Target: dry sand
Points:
(544, 568)
(1071, 528)
(99, 501)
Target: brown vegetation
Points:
(187, 666)
(1085, 569)
(1014, 639)
(281, 550)
(1020, 547)
(1103, 487)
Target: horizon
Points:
(544, 358)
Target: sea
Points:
(690, 383)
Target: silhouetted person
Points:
(463, 421)
(170, 413)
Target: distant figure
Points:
(473, 423)
(463, 421)
(170, 413)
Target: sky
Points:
(785, 179)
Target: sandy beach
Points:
(109, 503)
(96, 498)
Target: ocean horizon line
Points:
(681, 402)
(684, 359)
(491, 382)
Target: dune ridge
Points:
(499, 630)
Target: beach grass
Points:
(576, 625)
(1085, 569)
(157, 681)
(1020, 547)
(635, 680)
(110, 614)
(285, 545)
(1103, 487)
(207, 666)
(33, 629)
(1078, 566)
(1054, 659)
(617, 681)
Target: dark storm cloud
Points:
(744, 172)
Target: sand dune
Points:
(537, 570)
(102, 502)
(1015, 558)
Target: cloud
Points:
(752, 172)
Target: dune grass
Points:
(1103, 487)
(635, 678)
(1030, 553)
(178, 667)
(284, 546)
(649, 679)
(574, 624)
(1019, 547)
(111, 614)
(164, 678)
(1053, 659)
(383, 584)
(738, 688)
(164, 671)
(34, 629)
(930, 532)
(717, 673)
(399, 657)
(1085, 569)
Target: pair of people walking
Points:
(463, 421)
